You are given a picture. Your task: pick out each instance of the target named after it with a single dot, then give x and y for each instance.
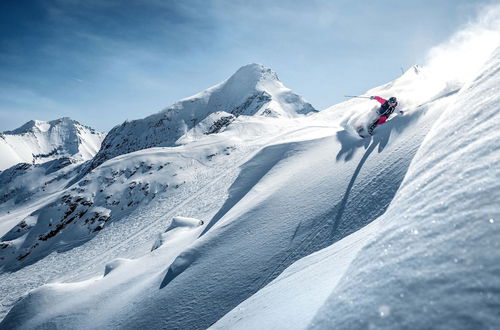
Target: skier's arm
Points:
(379, 99)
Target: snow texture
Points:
(272, 219)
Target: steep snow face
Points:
(40, 141)
(24, 187)
(435, 258)
(428, 259)
(252, 90)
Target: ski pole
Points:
(357, 96)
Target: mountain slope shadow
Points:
(251, 173)
(329, 222)
(350, 215)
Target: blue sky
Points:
(102, 62)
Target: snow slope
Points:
(438, 256)
(41, 141)
(283, 199)
(430, 257)
(125, 188)
(25, 187)
(210, 165)
(382, 230)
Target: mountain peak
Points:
(253, 90)
(27, 127)
(41, 141)
(251, 77)
(254, 72)
(42, 126)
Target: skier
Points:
(386, 109)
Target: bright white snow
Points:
(282, 221)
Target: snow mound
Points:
(114, 265)
(178, 225)
(184, 222)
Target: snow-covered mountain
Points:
(41, 141)
(252, 90)
(243, 220)
(125, 183)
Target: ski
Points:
(359, 130)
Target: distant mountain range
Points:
(41, 141)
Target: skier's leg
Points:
(372, 126)
(381, 120)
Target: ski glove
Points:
(372, 97)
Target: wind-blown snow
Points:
(438, 256)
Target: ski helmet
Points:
(392, 100)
